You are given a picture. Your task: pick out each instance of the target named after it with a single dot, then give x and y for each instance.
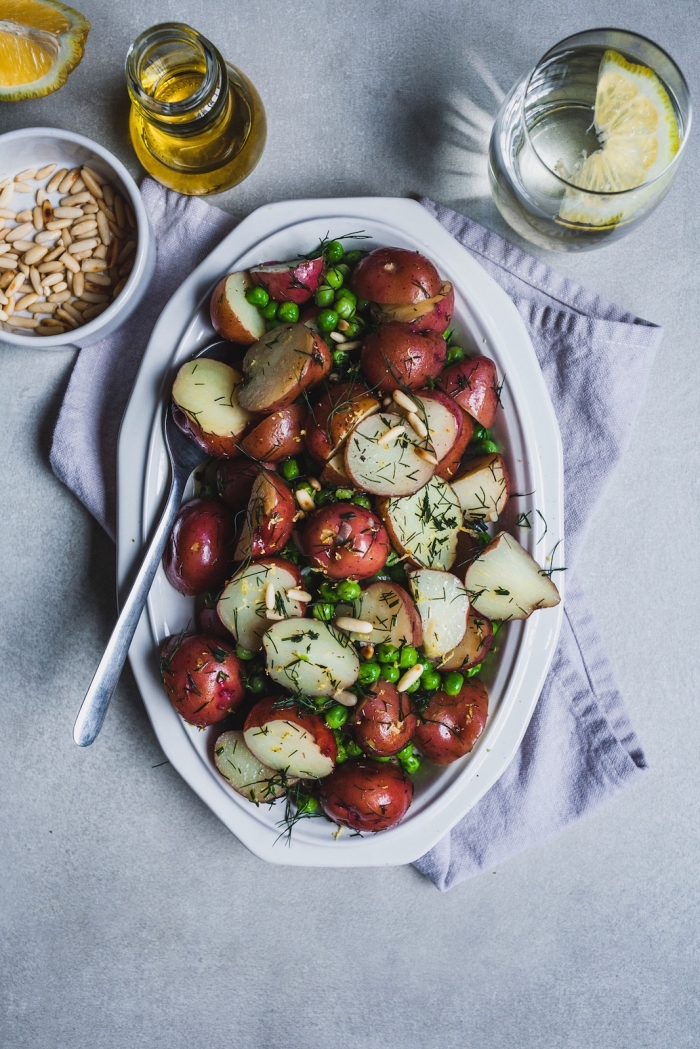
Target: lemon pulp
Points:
(41, 42)
(637, 125)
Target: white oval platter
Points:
(487, 321)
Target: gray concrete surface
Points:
(130, 916)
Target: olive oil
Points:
(197, 123)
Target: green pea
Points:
(327, 593)
(257, 296)
(324, 497)
(354, 256)
(473, 671)
(307, 804)
(257, 684)
(481, 434)
(345, 293)
(387, 653)
(307, 488)
(489, 447)
(324, 296)
(383, 760)
(340, 358)
(397, 573)
(348, 590)
(271, 325)
(342, 755)
(415, 686)
(452, 683)
(334, 278)
(323, 610)
(411, 764)
(334, 251)
(337, 716)
(353, 329)
(369, 673)
(390, 673)
(362, 304)
(269, 311)
(343, 269)
(495, 627)
(244, 653)
(360, 499)
(430, 680)
(353, 750)
(327, 320)
(288, 312)
(343, 493)
(344, 308)
(455, 353)
(290, 469)
(408, 657)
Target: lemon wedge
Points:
(637, 125)
(41, 42)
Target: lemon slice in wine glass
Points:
(638, 129)
(41, 42)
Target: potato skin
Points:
(208, 623)
(346, 541)
(203, 677)
(234, 482)
(428, 315)
(309, 347)
(396, 357)
(296, 283)
(438, 319)
(449, 726)
(269, 518)
(365, 795)
(226, 320)
(332, 417)
(473, 383)
(384, 723)
(212, 443)
(199, 554)
(277, 436)
(449, 464)
(395, 276)
(474, 646)
(264, 711)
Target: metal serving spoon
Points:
(185, 456)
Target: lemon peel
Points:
(637, 126)
(41, 42)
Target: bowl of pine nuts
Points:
(76, 249)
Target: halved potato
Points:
(277, 436)
(483, 488)
(244, 772)
(269, 519)
(390, 468)
(207, 394)
(392, 614)
(504, 582)
(334, 415)
(283, 363)
(474, 646)
(287, 738)
(310, 657)
(242, 608)
(442, 604)
(334, 473)
(232, 315)
(425, 525)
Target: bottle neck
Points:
(178, 79)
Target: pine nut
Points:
(391, 435)
(270, 596)
(25, 216)
(107, 212)
(56, 180)
(78, 186)
(24, 268)
(55, 266)
(80, 255)
(38, 218)
(8, 264)
(297, 594)
(59, 223)
(3, 315)
(108, 194)
(26, 301)
(315, 484)
(353, 346)
(104, 281)
(130, 217)
(23, 245)
(24, 322)
(35, 279)
(68, 213)
(126, 251)
(354, 626)
(66, 184)
(17, 282)
(277, 616)
(95, 311)
(404, 401)
(304, 500)
(409, 678)
(42, 307)
(10, 306)
(78, 284)
(6, 213)
(41, 196)
(80, 228)
(119, 287)
(103, 226)
(69, 262)
(35, 254)
(77, 198)
(70, 321)
(93, 265)
(426, 456)
(23, 187)
(347, 699)
(47, 237)
(45, 171)
(26, 174)
(337, 337)
(66, 238)
(417, 425)
(54, 329)
(19, 232)
(60, 296)
(67, 307)
(54, 253)
(90, 209)
(119, 211)
(53, 278)
(90, 179)
(367, 651)
(4, 248)
(83, 245)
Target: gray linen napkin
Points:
(580, 746)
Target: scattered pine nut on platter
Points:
(63, 258)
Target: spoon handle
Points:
(94, 707)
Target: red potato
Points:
(425, 527)
(474, 646)
(334, 474)
(449, 465)
(242, 606)
(286, 737)
(396, 357)
(385, 456)
(397, 276)
(234, 482)
(449, 726)
(233, 317)
(206, 405)
(367, 796)
(427, 315)
(483, 488)
(208, 622)
(504, 582)
(392, 613)
(269, 519)
(473, 383)
(442, 417)
(203, 677)
(198, 555)
(281, 365)
(331, 418)
(277, 436)
(443, 605)
(346, 541)
(290, 281)
(384, 722)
